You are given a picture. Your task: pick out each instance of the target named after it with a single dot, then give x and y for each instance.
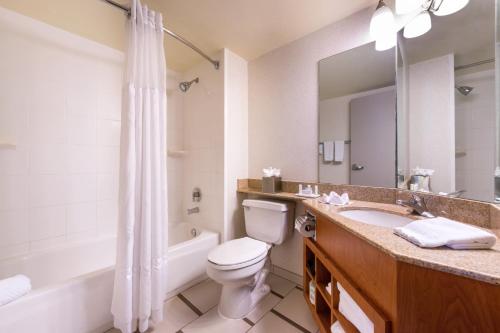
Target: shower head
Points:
(464, 90)
(184, 86)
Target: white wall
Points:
(334, 124)
(175, 144)
(476, 136)
(236, 140)
(60, 99)
(431, 120)
(283, 111)
(283, 98)
(204, 142)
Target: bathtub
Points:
(73, 285)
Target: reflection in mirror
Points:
(447, 115)
(357, 118)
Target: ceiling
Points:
(249, 28)
(356, 70)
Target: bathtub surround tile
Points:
(279, 285)
(81, 188)
(82, 129)
(107, 187)
(108, 132)
(81, 217)
(108, 160)
(47, 159)
(212, 322)
(107, 217)
(14, 161)
(274, 323)
(47, 190)
(47, 222)
(263, 307)
(295, 308)
(14, 226)
(13, 192)
(82, 159)
(204, 295)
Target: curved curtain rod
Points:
(171, 33)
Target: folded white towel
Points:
(334, 199)
(441, 231)
(339, 150)
(351, 310)
(337, 328)
(14, 287)
(329, 288)
(328, 151)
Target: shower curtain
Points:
(139, 274)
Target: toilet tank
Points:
(269, 221)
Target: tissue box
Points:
(271, 184)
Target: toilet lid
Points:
(237, 251)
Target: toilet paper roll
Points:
(306, 227)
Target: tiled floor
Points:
(195, 311)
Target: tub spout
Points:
(194, 210)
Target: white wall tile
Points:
(14, 226)
(107, 217)
(49, 183)
(82, 129)
(48, 159)
(82, 188)
(47, 222)
(107, 187)
(108, 132)
(82, 159)
(13, 192)
(46, 190)
(14, 161)
(81, 217)
(108, 160)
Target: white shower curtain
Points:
(139, 275)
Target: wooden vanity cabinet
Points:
(396, 296)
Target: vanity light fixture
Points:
(415, 15)
(407, 6)
(382, 21)
(447, 7)
(418, 26)
(382, 27)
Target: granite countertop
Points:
(483, 265)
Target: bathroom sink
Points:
(375, 217)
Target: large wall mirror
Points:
(423, 116)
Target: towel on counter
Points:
(441, 231)
(339, 151)
(328, 151)
(351, 310)
(335, 199)
(337, 328)
(13, 288)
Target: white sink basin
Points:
(376, 217)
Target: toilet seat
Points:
(238, 253)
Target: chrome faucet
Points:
(417, 204)
(456, 194)
(193, 210)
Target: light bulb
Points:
(386, 41)
(448, 7)
(418, 26)
(382, 21)
(407, 6)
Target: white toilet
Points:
(242, 265)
